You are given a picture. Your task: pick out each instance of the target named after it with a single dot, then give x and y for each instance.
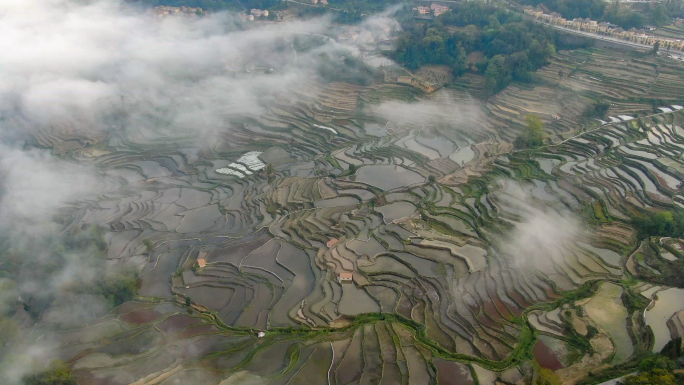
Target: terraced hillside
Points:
(575, 79)
(468, 260)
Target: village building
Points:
(438, 9)
(556, 19)
(603, 27)
(246, 17)
(590, 26)
(202, 259)
(437, 13)
(332, 242)
(423, 10)
(639, 36)
(258, 12)
(163, 11)
(536, 13)
(346, 277)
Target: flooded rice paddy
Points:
(607, 310)
(668, 302)
(388, 177)
(228, 247)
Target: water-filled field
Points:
(461, 250)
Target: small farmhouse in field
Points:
(202, 259)
(346, 277)
(332, 242)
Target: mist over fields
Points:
(91, 68)
(133, 146)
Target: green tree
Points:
(148, 244)
(460, 61)
(655, 377)
(547, 377)
(625, 17)
(550, 49)
(58, 373)
(599, 109)
(533, 134)
(117, 288)
(495, 74)
(659, 15)
(672, 349)
(655, 49)
(571, 9)
(656, 362)
(664, 223)
(513, 48)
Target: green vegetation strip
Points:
(521, 353)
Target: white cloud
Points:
(541, 232)
(35, 184)
(64, 61)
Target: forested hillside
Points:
(513, 48)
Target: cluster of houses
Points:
(323, 2)
(607, 29)
(164, 11)
(434, 8)
(258, 12)
(253, 13)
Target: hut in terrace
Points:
(346, 276)
(202, 259)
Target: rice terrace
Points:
(306, 196)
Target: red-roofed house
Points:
(202, 259)
(332, 242)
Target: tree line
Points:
(660, 368)
(664, 223)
